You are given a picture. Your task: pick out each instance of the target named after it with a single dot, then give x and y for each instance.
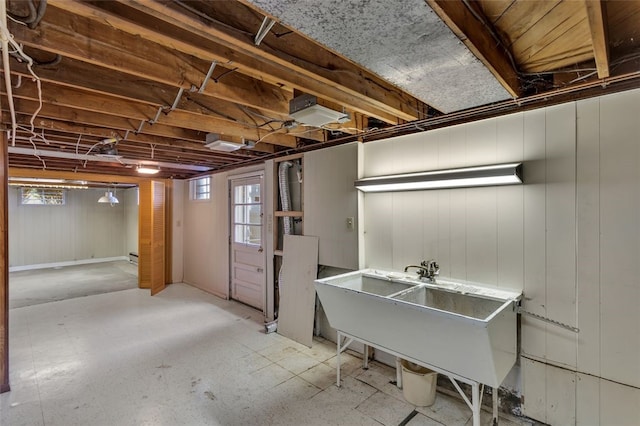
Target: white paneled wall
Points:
(177, 255)
(205, 235)
(81, 229)
(206, 241)
(330, 198)
(569, 238)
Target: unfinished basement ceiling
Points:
(404, 42)
(127, 83)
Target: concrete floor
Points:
(185, 357)
(37, 286)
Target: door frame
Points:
(263, 235)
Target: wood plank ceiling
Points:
(148, 80)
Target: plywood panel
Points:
(297, 293)
(560, 232)
(533, 337)
(620, 237)
(588, 235)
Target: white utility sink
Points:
(466, 330)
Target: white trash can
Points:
(418, 384)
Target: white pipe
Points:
(7, 69)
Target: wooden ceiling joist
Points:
(597, 16)
(87, 41)
(169, 23)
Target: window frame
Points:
(195, 185)
(46, 196)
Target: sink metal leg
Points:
(365, 357)
(398, 373)
(340, 347)
(475, 400)
(495, 405)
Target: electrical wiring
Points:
(7, 39)
(268, 134)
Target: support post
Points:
(495, 400)
(339, 350)
(4, 266)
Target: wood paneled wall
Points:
(569, 238)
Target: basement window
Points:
(42, 196)
(200, 189)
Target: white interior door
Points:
(248, 277)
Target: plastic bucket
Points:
(418, 384)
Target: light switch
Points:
(350, 223)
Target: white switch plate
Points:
(350, 223)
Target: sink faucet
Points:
(428, 270)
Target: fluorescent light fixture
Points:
(499, 174)
(147, 170)
(216, 144)
(108, 197)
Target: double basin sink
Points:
(467, 330)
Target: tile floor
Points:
(185, 357)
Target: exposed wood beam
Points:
(478, 38)
(88, 118)
(185, 31)
(114, 113)
(97, 80)
(92, 177)
(88, 41)
(597, 16)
